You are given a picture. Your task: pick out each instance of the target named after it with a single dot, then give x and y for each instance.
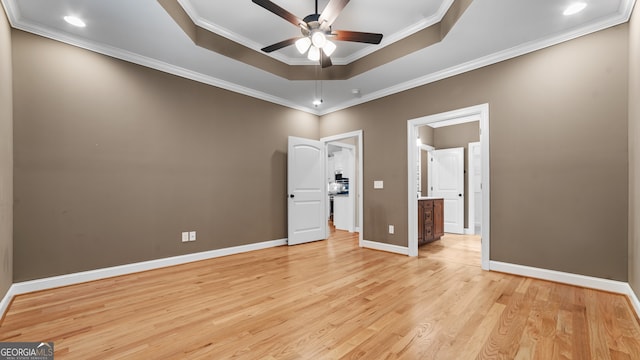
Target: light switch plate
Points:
(192, 236)
(378, 184)
(392, 229)
(185, 236)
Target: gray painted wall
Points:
(114, 160)
(6, 158)
(548, 110)
(634, 151)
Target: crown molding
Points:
(624, 15)
(12, 11)
(145, 61)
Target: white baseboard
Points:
(469, 231)
(634, 300)
(614, 286)
(357, 229)
(80, 277)
(6, 300)
(385, 247)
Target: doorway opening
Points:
(341, 179)
(480, 114)
(345, 169)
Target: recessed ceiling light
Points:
(75, 21)
(317, 102)
(574, 8)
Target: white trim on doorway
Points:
(474, 113)
(471, 229)
(360, 197)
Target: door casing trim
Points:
(473, 113)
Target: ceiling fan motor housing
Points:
(312, 24)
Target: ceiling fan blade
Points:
(325, 61)
(356, 36)
(280, 45)
(331, 12)
(280, 12)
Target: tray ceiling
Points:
(143, 32)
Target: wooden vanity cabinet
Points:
(430, 220)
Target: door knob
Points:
(292, 196)
(460, 195)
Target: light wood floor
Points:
(328, 300)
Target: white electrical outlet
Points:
(392, 229)
(378, 184)
(185, 236)
(192, 236)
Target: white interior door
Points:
(307, 191)
(447, 175)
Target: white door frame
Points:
(471, 164)
(473, 113)
(359, 168)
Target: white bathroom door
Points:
(446, 168)
(307, 191)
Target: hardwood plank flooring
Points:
(328, 300)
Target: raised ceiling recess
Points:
(225, 46)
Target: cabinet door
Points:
(428, 220)
(438, 218)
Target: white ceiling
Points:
(142, 32)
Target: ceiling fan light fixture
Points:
(329, 48)
(318, 39)
(314, 54)
(303, 44)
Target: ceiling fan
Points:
(316, 31)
